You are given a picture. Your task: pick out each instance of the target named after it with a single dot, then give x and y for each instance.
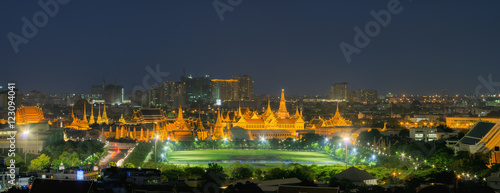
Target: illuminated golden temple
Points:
(149, 123)
(29, 114)
(327, 127)
(279, 125)
(84, 124)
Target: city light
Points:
(223, 112)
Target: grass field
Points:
(253, 156)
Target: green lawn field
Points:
(252, 156)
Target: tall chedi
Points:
(282, 112)
(99, 118)
(85, 113)
(92, 119)
(218, 132)
(104, 115)
(180, 122)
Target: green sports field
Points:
(253, 156)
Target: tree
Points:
(302, 172)
(248, 187)
(404, 133)
(214, 174)
(69, 159)
(239, 171)
(276, 173)
(39, 163)
(128, 165)
(194, 172)
(112, 164)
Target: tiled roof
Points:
(477, 133)
(355, 175)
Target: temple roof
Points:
(477, 133)
(355, 175)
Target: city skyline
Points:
(416, 52)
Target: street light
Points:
(156, 139)
(345, 141)
(26, 145)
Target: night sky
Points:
(287, 44)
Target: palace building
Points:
(484, 137)
(149, 123)
(29, 114)
(337, 124)
(278, 125)
(467, 122)
(84, 124)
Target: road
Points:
(113, 156)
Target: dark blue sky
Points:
(288, 44)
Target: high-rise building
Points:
(339, 91)
(140, 99)
(362, 95)
(245, 84)
(97, 89)
(197, 88)
(111, 93)
(158, 96)
(225, 89)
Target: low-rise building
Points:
(424, 134)
(69, 174)
(467, 122)
(493, 181)
(357, 176)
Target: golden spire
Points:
(239, 111)
(337, 107)
(104, 115)
(218, 115)
(122, 120)
(297, 110)
(99, 118)
(200, 124)
(282, 112)
(92, 119)
(85, 112)
(72, 114)
(179, 116)
(268, 110)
